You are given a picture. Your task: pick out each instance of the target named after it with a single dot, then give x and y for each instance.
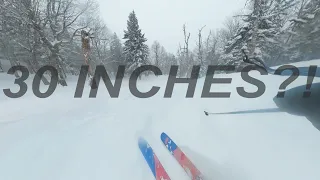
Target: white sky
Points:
(162, 20)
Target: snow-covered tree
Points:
(168, 61)
(37, 33)
(116, 53)
(213, 50)
(304, 39)
(135, 50)
(260, 33)
(44, 30)
(201, 60)
(218, 39)
(155, 52)
(184, 56)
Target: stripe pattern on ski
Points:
(155, 165)
(182, 159)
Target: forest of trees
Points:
(69, 33)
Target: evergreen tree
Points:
(305, 32)
(135, 50)
(261, 31)
(116, 52)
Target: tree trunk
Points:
(253, 42)
(15, 63)
(34, 62)
(1, 69)
(55, 62)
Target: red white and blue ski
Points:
(155, 165)
(182, 159)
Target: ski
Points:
(155, 165)
(182, 159)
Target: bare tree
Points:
(8, 30)
(155, 49)
(54, 23)
(186, 41)
(184, 54)
(201, 54)
(37, 33)
(200, 47)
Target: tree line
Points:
(35, 33)
(69, 33)
(267, 33)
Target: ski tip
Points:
(142, 142)
(163, 137)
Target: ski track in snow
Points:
(65, 138)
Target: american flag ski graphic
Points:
(182, 159)
(152, 160)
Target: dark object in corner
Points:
(294, 103)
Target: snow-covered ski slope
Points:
(63, 138)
